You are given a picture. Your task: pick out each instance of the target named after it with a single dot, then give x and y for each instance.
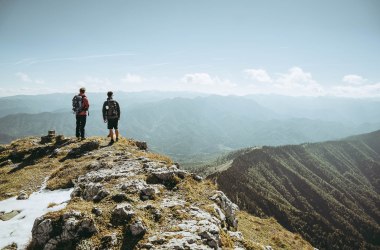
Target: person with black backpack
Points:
(80, 109)
(111, 115)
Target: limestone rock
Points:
(227, 206)
(91, 191)
(9, 215)
(197, 177)
(41, 231)
(120, 197)
(122, 213)
(22, 196)
(109, 240)
(67, 229)
(97, 211)
(142, 145)
(137, 228)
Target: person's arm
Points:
(104, 111)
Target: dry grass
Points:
(52, 204)
(28, 178)
(262, 232)
(153, 156)
(227, 242)
(197, 192)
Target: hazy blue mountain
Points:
(61, 102)
(328, 192)
(185, 127)
(323, 108)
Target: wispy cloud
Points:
(204, 82)
(354, 79)
(297, 82)
(26, 78)
(259, 75)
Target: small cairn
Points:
(48, 138)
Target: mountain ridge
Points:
(328, 192)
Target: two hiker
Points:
(111, 114)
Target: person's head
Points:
(82, 90)
(109, 94)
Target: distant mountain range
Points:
(328, 192)
(189, 126)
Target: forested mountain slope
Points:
(328, 192)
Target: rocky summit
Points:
(123, 197)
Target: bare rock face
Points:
(137, 228)
(142, 145)
(228, 207)
(122, 213)
(109, 241)
(66, 230)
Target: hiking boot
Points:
(111, 142)
(117, 139)
(83, 138)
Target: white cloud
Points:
(354, 79)
(26, 78)
(206, 80)
(199, 79)
(203, 82)
(363, 90)
(96, 84)
(298, 82)
(131, 78)
(259, 75)
(295, 82)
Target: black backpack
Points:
(77, 103)
(112, 109)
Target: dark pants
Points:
(81, 122)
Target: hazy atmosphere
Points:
(190, 124)
(307, 48)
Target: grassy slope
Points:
(328, 192)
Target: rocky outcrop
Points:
(65, 230)
(227, 206)
(137, 202)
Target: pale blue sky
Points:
(290, 47)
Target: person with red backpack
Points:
(80, 108)
(111, 115)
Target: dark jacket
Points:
(105, 112)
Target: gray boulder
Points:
(67, 229)
(228, 207)
(122, 213)
(137, 228)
